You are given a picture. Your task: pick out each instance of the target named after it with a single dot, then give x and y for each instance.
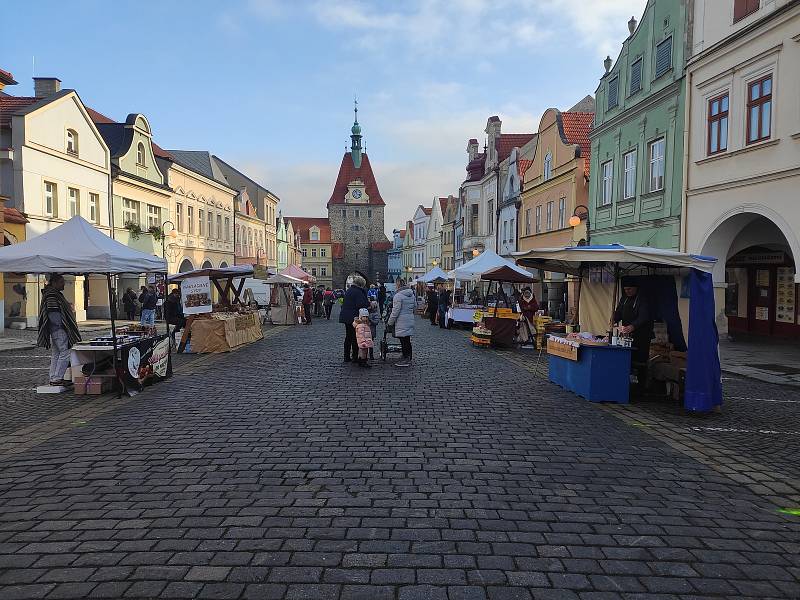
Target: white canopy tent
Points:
(486, 261)
(435, 274)
(76, 247)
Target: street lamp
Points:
(475, 252)
(172, 234)
(577, 217)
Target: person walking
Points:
(363, 330)
(148, 299)
(308, 300)
(432, 304)
(381, 297)
(402, 319)
(355, 298)
(444, 304)
(318, 301)
(328, 298)
(57, 328)
(129, 303)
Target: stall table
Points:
(461, 314)
(223, 332)
(597, 373)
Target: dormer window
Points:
(140, 154)
(314, 234)
(72, 142)
(548, 167)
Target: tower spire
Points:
(355, 131)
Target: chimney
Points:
(632, 25)
(472, 148)
(46, 86)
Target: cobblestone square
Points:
(278, 472)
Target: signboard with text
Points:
(196, 295)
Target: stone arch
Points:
(721, 239)
(223, 265)
(207, 264)
(185, 266)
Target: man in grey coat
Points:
(402, 318)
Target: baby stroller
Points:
(386, 345)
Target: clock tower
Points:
(355, 212)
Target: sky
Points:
(268, 85)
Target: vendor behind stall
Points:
(173, 311)
(634, 315)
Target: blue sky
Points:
(268, 84)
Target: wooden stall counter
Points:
(222, 332)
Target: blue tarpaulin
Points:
(703, 385)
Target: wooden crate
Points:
(563, 350)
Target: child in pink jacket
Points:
(363, 336)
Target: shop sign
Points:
(146, 361)
(196, 295)
(762, 313)
(758, 258)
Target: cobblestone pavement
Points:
(278, 472)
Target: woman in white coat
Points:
(402, 318)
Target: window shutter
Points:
(636, 76)
(613, 93)
(663, 57)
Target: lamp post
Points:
(172, 234)
(577, 217)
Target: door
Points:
(761, 304)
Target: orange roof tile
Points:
(12, 215)
(11, 104)
(577, 126)
(303, 225)
(523, 164)
(508, 141)
(349, 173)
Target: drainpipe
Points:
(685, 166)
(497, 209)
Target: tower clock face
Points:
(356, 194)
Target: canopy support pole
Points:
(114, 336)
(169, 338)
(615, 299)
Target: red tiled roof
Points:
(101, 118)
(427, 211)
(381, 246)
(12, 215)
(523, 164)
(303, 225)
(577, 126)
(11, 104)
(7, 77)
(508, 141)
(410, 229)
(349, 173)
(443, 205)
(475, 167)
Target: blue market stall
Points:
(600, 372)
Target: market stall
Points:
(501, 321)
(128, 358)
(298, 273)
(219, 327)
(283, 304)
(596, 357)
(472, 270)
(435, 275)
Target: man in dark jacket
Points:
(173, 311)
(381, 297)
(149, 301)
(634, 316)
(444, 304)
(355, 298)
(308, 300)
(432, 300)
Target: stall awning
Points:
(572, 260)
(486, 261)
(221, 273)
(434, 275)
(297, 273)
(508, 275)
(280, 278)
(76, 247)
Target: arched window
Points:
(140, 154)
(548, 166)
(72, 142)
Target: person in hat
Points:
(363, 336)
(634, 317)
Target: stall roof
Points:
(76, 247)
(297, 273)
(572, 259)
(236, 271)
(281, 278)
(486, 261)
(508, 275)
(434, 275)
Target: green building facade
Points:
(635, 188)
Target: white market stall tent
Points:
(486, 261)
(435, 275)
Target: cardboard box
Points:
(94, 385)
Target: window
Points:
(356, 212)
(629, 183)
(219, 226)
(759, 109)
(369, 213)
(606, 182)
(323, 252)
(153, 216)
(613, 93)
(663, 57)
(323, 271)
(140, 154)
(538, 218)
(201, 221)
(227, 229)
(94, 203)
(72, 142)
(313, 271)
(130, 211)
(210, 227)
(179, 216)
(490, 217)
(527, 221)
(50, 199)
(505, 230)
(657, 165)
(512, 230)
(314, 253)
(549, 216)
(718, 124)
(473, 224)
(314, 235)
(562, 213)
(548, 167)
(742, 8)
(74, 202)
(636, 77)
(344, 214)
(304, 252)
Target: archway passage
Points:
(758, 268)
(186, 266)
